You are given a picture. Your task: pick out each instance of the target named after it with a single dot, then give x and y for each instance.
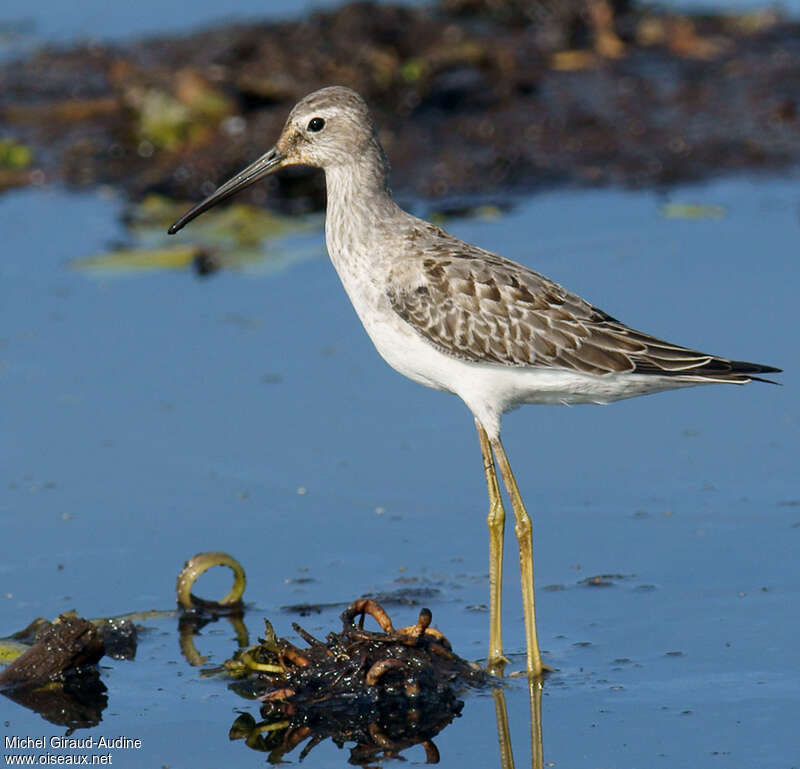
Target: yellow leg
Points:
(497, 522)
(523, 529)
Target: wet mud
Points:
(471, 96)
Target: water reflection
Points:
(77, 703)
(535, 688)
(189, 628)
(380, 731)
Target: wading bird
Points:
(457, 318)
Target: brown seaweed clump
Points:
(57, 676)
(384, 690)
(68, 644)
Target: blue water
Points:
(149, 416)
(48, 20)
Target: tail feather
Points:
(747, 369)
(744, 367)
(712, 369)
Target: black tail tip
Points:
(745, 367)
(750, 369)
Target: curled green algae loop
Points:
(202, 562)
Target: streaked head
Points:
(327, 128)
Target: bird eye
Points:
(316, 124)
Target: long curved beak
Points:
(268, 163)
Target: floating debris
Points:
(692, 211)
(131, 259)
(199, 564)
(383, 690)
(405, 596)
(57, 675)
(238, 224)
(604, 580)
(232, 237)
(69, 643)
(51, 667)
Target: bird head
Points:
(327, 128)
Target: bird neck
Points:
(359, 200)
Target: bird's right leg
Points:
(523, 529)
(496, 520)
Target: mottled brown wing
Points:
(477, 306)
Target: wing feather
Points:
(477, 306)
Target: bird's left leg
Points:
(497, 524)
(524, 531)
